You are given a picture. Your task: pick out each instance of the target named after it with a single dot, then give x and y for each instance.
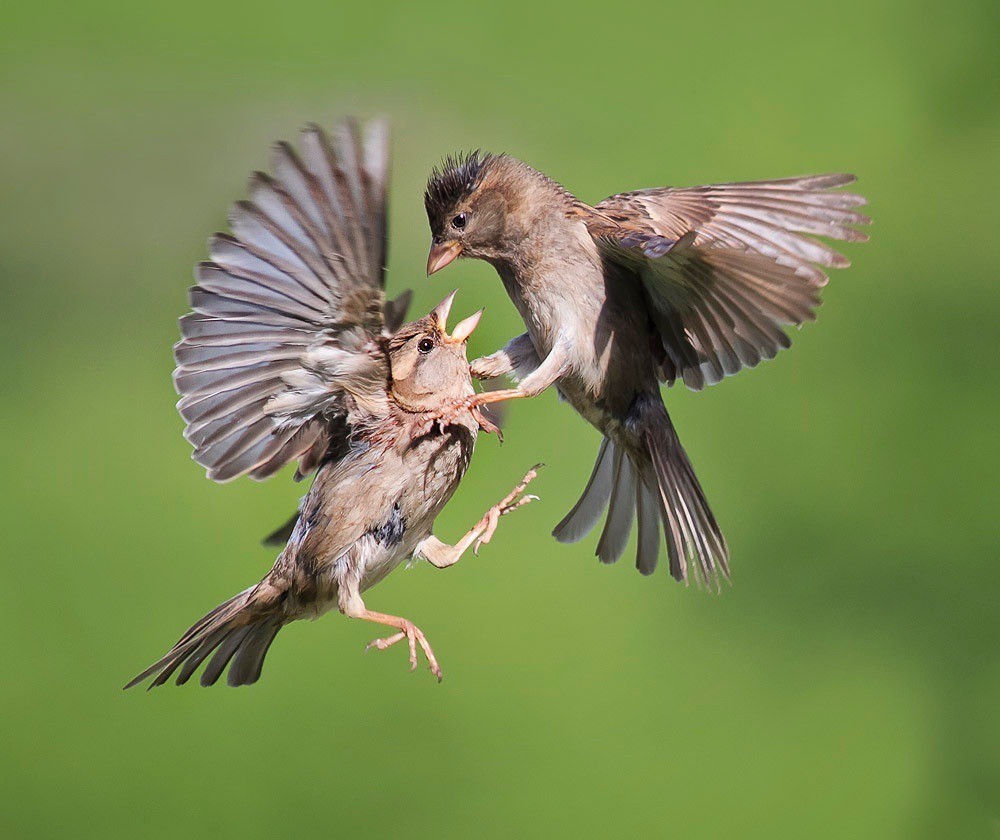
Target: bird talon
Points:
(485, 423)
(488, 524)
(524, 500)
(413, 636)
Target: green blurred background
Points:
(846, 685)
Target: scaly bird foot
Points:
(446, 416)
(509, 503)
(414, 636)
(486, 424)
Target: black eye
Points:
(459, 221)
(425, 345)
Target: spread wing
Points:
(281, 355)
(727, 267)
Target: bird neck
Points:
(557, 246)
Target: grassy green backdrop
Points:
(845, 686)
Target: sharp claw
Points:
(413, 636)
(485, 423)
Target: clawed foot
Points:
(509, 503)
(414, 636)
(486, 424)
(444, 417)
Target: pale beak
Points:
(464, 328)
(440, 312)
(441, 254)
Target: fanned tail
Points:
(581, 520)
(659, 488)
(630, 495)
(692, 534)
(237, 631)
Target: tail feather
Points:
(585, 514)
(647, 514)
(692, 532)
(194, 659)
(238, 630)
(652, 487)
(170, 661)
(677, 524)
(225, 652)
(249, 659)
(621, 510)
(230, 605)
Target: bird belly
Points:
(600, 316)
(369, 561)
(609, 360)
(377, 561)
(434, 467)
(604, 325)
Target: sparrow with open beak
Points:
(293, 354)
(645, 287)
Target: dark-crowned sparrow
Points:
(292, 353)
(644, 287)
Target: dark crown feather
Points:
(456, 178)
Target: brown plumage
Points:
(292, 353)
(645, 287)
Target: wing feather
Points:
(726, 267)
(284, 349)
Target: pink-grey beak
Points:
(441, 254)
(463, 329)
(440, 312)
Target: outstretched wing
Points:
(281, 354)
(726, 267)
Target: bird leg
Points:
(516, 358)
(353, 607)
(441, 555)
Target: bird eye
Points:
(459, 221)
(425, 345)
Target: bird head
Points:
(471, 202)
(428, 366)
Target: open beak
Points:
(440, 313)
(463, 329)
(441, 254)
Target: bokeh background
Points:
(846, 685)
